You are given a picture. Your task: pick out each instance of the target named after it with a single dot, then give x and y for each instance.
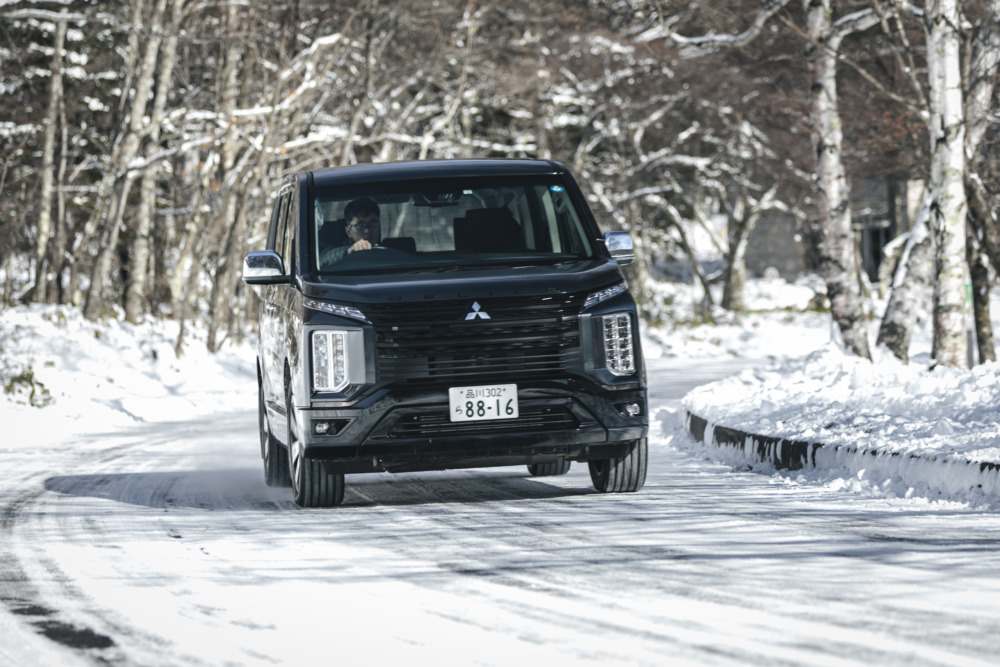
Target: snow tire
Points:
(624, 474)
(312, 485)
(271, 451)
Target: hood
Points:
(457, 283)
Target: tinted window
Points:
(280, 225)
(463, 223)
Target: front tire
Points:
(560, 467)
(274, 455)
(312, 485)
(624, 474)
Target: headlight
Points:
(330, 360)
(335, 309)
(619, 353)
(603, 295)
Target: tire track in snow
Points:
(23, 599)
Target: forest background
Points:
(141, 141)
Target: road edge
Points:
(932, 474)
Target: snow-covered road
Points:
(160, 545)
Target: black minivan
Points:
(444, 314)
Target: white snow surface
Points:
(832, 398)
(107, 375)
(135, 509)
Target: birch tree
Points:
(948, 207)
(258, 91)
(232, 179)
(118, 182)
(983, 234)
(838, 257)
(824, 34)
(50, 124)
(139, 257)
(941, 252)
(912, 282)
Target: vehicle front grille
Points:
(529, 419)
(434, 342)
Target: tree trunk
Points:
(981, 285)
(137, 288)
(837, 252)
(910, 285)
(126, 151)
(225, 272)
(60, 241)
(696, 269)
(742, 222)
(983, 233)
(42, 254)
(222, 288)
(947, 186)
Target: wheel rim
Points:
(294, 453)
(599, 473)
(269, 450)
(262, 425)
(296, 466)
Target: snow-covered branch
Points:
(665, 31)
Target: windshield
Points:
(431, 225)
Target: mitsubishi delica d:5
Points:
(444, 314)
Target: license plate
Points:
(488, 401)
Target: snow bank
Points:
(887, 428)
(64, 375)
(841, 400)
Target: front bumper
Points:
(398, 431)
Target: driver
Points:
(364, 229)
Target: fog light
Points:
(329, 426)
(628, 409)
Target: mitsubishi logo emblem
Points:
(477, 311)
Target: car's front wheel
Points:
(312, 485)
(274, 455)
(622, 474)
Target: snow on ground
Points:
(836, 399)
(64, 375)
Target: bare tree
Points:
(947, 185)
(983, 234)
(824, 35)
(913, 282)
(119, 179)
(138, 267)
(50, 123)
(838, 257)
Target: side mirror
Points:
(263, 267)
(620, 246)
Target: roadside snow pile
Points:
(885, 428)
(64, 375)
(832, 398)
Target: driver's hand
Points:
(360, 245)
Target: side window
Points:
(280, 227)
(273, 233)
(291, 215)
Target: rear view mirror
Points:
(620, 246)
(263, 267)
